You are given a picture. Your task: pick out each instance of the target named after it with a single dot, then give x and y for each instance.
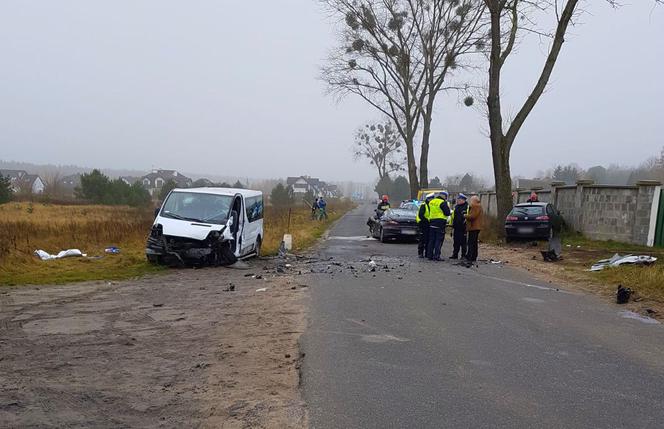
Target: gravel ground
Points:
(191, 348)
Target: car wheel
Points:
(382, 236)
(154, 259)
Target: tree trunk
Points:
(412, 167)
(502, 176)
(500, 146)
(424, 154)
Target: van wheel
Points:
(259, 244)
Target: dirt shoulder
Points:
(175, 350)
(572, 272)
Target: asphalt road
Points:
(433, 345)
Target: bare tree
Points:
(382, 145)
(396, 55)
(510, 20)
(53, 185)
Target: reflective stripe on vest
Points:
(435, 212)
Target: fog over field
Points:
(198, 86)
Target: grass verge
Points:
(579, 254)
(26, 227)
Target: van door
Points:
(254, 216)
(237, 214)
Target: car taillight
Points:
(512, 218)
(545, 217)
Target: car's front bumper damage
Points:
(215, 249)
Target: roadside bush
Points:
(6, 193)
(281, 196)
(97, 188)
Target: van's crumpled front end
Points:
(214, 249)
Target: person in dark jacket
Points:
(423, 226)
(314, 209)
(383, 205)
(458, 221)
(439, 213)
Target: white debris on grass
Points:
(45, 256)
(618, 260)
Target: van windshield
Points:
(195, 207)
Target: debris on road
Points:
(45, 256)
(263, 289)
(550, 256)
(372, 265)
(623, 294)
(618, 260)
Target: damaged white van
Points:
(207, 226)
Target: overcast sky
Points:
(231, 88)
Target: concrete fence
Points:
(601, 212)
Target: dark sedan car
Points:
(395, 224)
(531, 220)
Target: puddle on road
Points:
(626, 314)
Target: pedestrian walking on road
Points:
(423, 226)
(439, 213)
(474, 224)
(458, 221)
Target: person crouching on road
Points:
(458, 221)
(423, 226)
(439, 212)
(474, 224)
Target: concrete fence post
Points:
(554, 192)
(647, 205)
(579, 200)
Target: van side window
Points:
(254, 207)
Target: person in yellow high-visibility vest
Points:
(439, 213)
(423, 226)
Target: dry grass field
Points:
(26, 227)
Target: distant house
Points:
(203, 183)
(70, 183)
(33, 184)
(21, 181)
(130, 180)
(156, 180)
(303, 184)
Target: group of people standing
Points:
(319, 209)
(465, 218)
